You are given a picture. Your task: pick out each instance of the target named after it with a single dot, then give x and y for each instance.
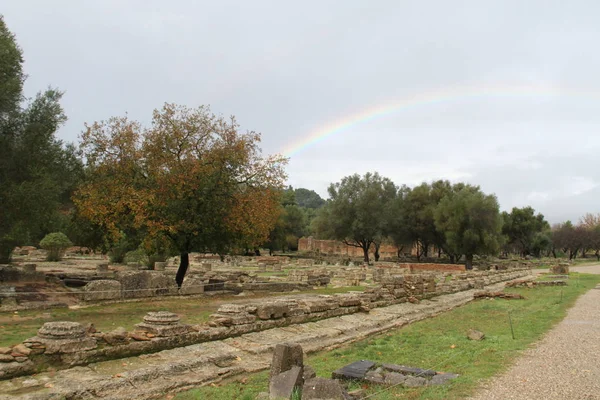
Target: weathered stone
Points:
(394, 378)
(408, 370)
(21, 349)
(139, 336)
(287, 384)
(473, 334)
(104, 289)
(6, 358)
(374, 377)
(231, 319)
(232, 309)
(285, 356)
(161, 318)
(102, 268)
(414, 381)
(15, 369)
(308, 373)
(61, 330)
(160, 265)
(116, 337)
(192, 285)
(441, 379)
(272, 310)
(321, 388)
(356, 370)
(21, 359)
(29, 268)
(163, 324)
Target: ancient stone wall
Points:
(335, 248)
(66, 344)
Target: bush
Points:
(56, 243)
(136, 256)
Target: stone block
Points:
(286, 356)
(272, 310)
(105, 289)
(321, 388)
(192, 285)
(287, 385)
(356, 370)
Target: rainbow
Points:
(444, 95)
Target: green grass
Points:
(16, 327)
(440, 343)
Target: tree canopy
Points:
(38, 172)
(358, 210)
(471, 223)
(191, 177)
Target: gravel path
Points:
(564, 365)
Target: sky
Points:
(503, 94)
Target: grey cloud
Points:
(289, 70)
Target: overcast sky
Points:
(518, 114)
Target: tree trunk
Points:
(469, 261)
(400, 252)
(452, 258)
(365, 248)
(554, 252)
(377, 246)
(183, 267)
(440, 252)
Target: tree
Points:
(420, 205)
(191, 177)
(525, 230)
(398, 229)
(569, 238)
(308, 198)
(357, 210)
(471, 223)
(11, 72)
(56, 243)
(37, 171)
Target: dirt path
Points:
(565, 364)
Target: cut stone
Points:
(321, 388)
(441, 379)
(408, 370)
(285, 356)
(287, 384)
(473, 334)
(394, 378)
(356, 370)
(161, 318)
(414, 381)
(61, 330)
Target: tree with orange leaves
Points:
(191, 177)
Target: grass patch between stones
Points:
(440, 344)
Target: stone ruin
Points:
(66, 344)
(61, 337)
(290, 378)
(560, 269)
(163, 324)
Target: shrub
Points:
(138, 256)
(56, 243)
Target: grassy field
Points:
(440, 343)
(16, 327)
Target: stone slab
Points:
(356, 370)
